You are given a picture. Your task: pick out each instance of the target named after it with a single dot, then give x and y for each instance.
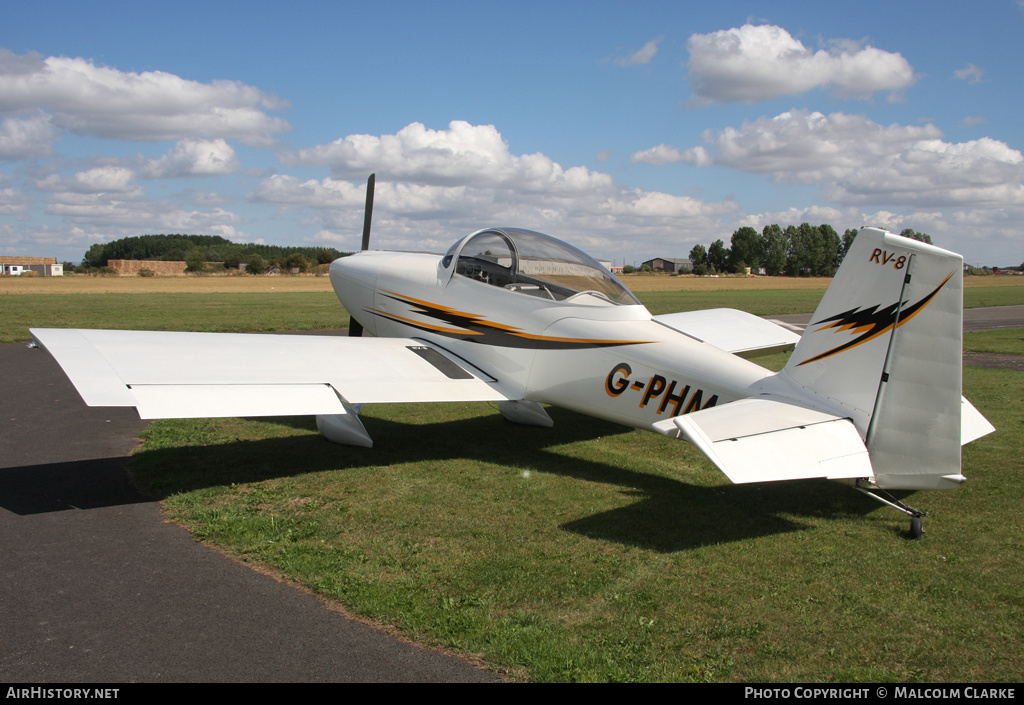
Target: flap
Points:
(180, 401)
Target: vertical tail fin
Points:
(884, 348)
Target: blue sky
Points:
(631, 131)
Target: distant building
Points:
(133, 266)
(44, 266)
(669, 264)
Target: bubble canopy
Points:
(534, 264)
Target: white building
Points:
(43, 266)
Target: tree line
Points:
(804, 250)
(197, 250)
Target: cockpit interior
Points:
(534, 264)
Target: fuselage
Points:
(540, 335)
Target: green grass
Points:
(245, 312)
(984, 296)
(588, 552)
(1010, 340)
(761, 303)
(786, 301)
(311, 311)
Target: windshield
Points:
(534, 264)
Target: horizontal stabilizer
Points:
(738, 332)
(763, 440)
(972, 424)
(205, 375)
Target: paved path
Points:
(94, 586)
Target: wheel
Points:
(916, 528)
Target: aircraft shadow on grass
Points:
(667, 514)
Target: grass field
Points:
(240, 303)
(589, 552)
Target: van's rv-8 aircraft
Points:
(870, 397)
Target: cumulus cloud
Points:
(13, 202)
(857, 161)
(194, 157)
(26, 138)
(105, 203)
(642, 56)
(104, 179)
(759, 62)
(436, 185)
(134, 215)
(95, 100)
(462, 154)
(667, 154)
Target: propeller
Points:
(355, 329)
(368, 212)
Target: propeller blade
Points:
(368, 213)
(355, 328)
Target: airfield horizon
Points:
(235, 283)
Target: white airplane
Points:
(871, 396)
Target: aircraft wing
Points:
(738, 332)
(764, 439)
(203, 375)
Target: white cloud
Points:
(13, 202)
(667, 154)
(838, 218)
(641, 57)
(287, 191)
(970, 73)
(760, 62)
(194, 157)
(95, 100)
(462, 154)
(26, 138)
(857, 161)
(99, 180)
(132, 216)
(104, 203)
(436, 185)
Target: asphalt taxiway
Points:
(96, 587)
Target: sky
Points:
(631, 130)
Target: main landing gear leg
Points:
(916, 527)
